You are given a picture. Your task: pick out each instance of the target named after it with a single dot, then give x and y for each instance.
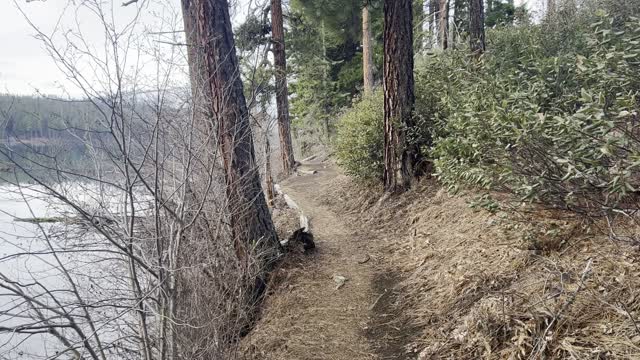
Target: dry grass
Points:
(501, 286)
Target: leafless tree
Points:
(137, 254)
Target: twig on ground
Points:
(542, 344)
(626, 310)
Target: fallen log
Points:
(307, 172)
(304, 219)
(41, 220)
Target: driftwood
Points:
(304, 219)
(97, 220)
(312, 157)
(41, 220)
(307, 172)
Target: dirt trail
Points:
(336, 318)
(314, 318)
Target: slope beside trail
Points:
(309, 315)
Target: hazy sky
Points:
(23, 62)
(25, 66)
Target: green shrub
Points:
(562, 130)
(550, 117)
(360, 140)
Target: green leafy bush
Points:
(360, 140)
(550, 113)
(562, 130)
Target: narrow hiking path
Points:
(336, 318)
(313, 316)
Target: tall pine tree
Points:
(282, 92)
(399, 156)
(221, 105)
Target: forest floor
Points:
(427, 275)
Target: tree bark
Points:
(476, 27)
(433, 27)
(418, 22)
(267, 171)
(458, 6)
(551, 7)
(220, 103)
(434, 10)
(325, 74)
(282, 93)
(399, 156)
(443, 24)
(367, 51)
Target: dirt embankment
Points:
(430, 277)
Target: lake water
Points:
(53, 272)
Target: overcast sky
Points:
(23, 63)
(25, 66)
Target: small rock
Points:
(363, 258)
(340, 280)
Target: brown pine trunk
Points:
(457, 21)
(418, 22)
(367, 51)
(434, 10)
(433, 28)
(551, 7)
(443, 24)
(282, 93)
(399, 98)
(267, 171)
(220, 103)
(476, 27)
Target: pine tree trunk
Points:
(443, 24)
(269, 192)
(551, 7)
(282, 93)
(325, 75)
(220, 103)
(458, 6)
(418, 23)
(267, 172)
(399, 98)
(434, 10)
(476, 27)
(433, 28)
(367, 51)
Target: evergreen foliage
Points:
(551, 116)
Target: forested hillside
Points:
(40, 118)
